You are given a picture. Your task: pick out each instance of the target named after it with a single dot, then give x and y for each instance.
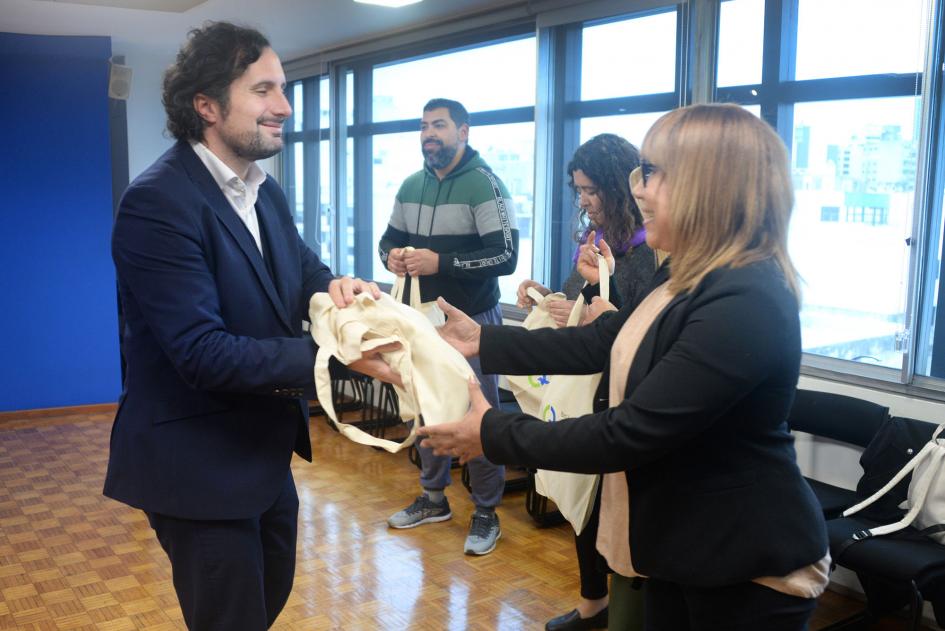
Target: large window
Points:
(629, 57)
(633, 127)
(476, 77)
(618, 76)
(306, 164)
(501, 130)
(860, 160)
(843, 82)
(849, 111)
(741, 42)
(839, 38)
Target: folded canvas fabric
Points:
(434, 373)
(555, 397)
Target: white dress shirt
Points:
(241, 195)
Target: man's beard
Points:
(439, 158)
(252, 146)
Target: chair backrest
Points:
(837, 416)
(895, 443)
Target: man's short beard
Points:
(250, 147)
(440, 158)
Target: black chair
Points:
(541, 509)
(351, 391)
(900, 569)
(341, 400)
(840, 418)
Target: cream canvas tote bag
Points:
(435, 375)
(556, 397)
(925, 501)
(430, 309)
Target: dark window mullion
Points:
(683, 87)
(288, 167)
(364, 240)
(302, 136)
(779, 53)
(831, 89)
(780, 40)
(935, 184)
(842, 88)
(311, 157)
(478, 119)
(567, 92)
(621, 105)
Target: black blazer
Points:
(217, 362)
(715, 493)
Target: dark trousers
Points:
(233, 575)
(743, 607)
(591, 565)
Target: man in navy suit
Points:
(215, 283)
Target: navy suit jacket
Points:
(217, 366)
(716, 497)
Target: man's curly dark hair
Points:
(607, 160)
(212, 58)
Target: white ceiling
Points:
(295, 27)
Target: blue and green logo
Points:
(549, 413)
(537, 381)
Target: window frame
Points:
(777, 94)
(557, 114)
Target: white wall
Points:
(147, 138)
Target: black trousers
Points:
(233, 575)
(743, 607)
(591, 564)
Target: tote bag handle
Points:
(603, 271)
(399, 287)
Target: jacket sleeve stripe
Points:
(504, 222)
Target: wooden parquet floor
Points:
(72, 559)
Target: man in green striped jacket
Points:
(458, 216)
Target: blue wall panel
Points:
(58, 316)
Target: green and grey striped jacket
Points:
(467, 219)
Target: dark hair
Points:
(607, 160)
(457, 112)
(213, 57)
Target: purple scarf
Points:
(619, 249)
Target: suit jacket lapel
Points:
(267, 213)
(234, 225)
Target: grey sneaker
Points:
(422, 511)
(483, 533)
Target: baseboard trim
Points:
(71, 410)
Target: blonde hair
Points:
(731, 196)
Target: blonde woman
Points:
(703, 495)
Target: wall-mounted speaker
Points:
(119, 82)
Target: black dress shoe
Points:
(572, 621)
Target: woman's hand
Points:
(587, 259)
(560, 310)
(524, 301)
(460, 331)
(373, 365)
(460, 438)
(598, 306)
(343, 290)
